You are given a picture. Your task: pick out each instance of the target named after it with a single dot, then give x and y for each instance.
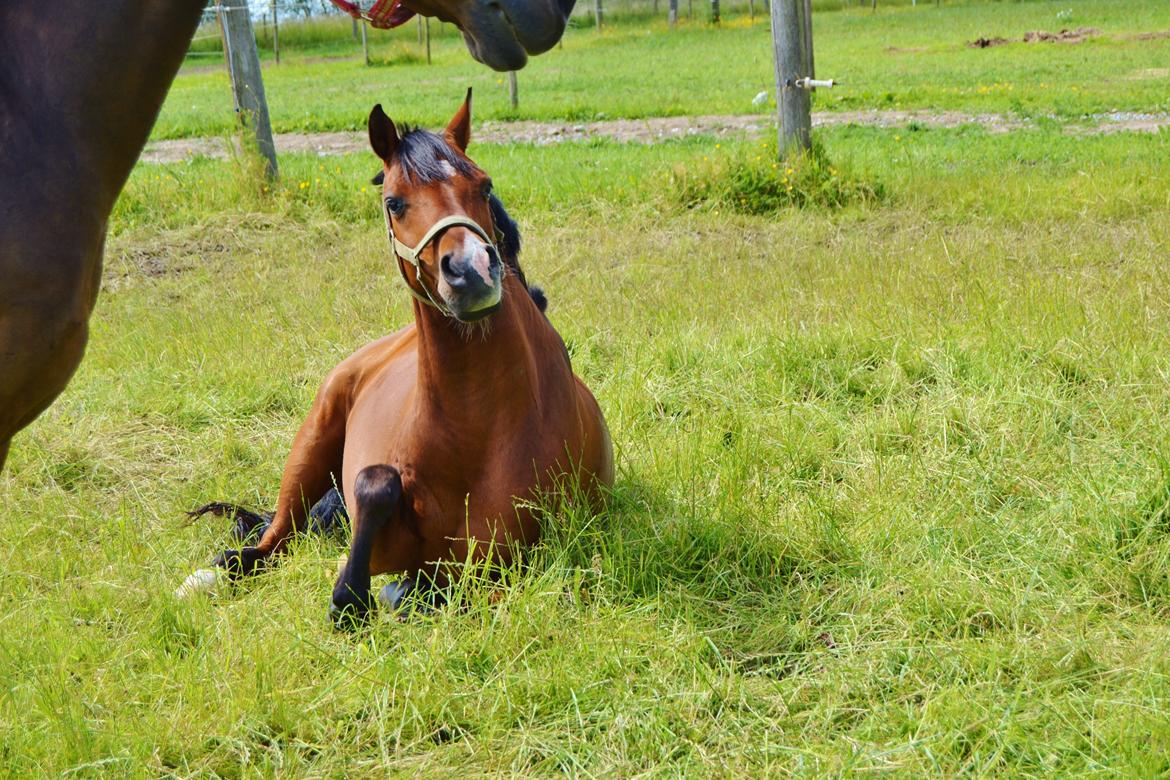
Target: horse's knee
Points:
(376, 492)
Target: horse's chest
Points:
(448, 476)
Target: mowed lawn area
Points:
(893, 481)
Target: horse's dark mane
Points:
(421, 154)
(509, 246)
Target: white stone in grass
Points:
(760, 99)
(200, 581)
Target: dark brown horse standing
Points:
(440, 432)
(81, 82)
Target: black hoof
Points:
(348, 617)
(348, 610)
(240, 563)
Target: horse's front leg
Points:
(378, 501)
(315, 457)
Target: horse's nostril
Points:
(454, 273)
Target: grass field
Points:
(899, 57)
(893, 478)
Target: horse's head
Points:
(439, 221)
(502, 33)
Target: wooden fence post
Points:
(513, 89)
(427, 37)
(597, 12)
(672, 14)
(275, 34)
(365, 44)
(806, 39)
(239, 46)
(714, 11)
(792, 102)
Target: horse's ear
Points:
(459, 129)
(383, 134)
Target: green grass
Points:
(891, 488)
(900, 57)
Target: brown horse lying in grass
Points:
(81, 83)
(442, 432)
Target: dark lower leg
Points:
(377, 494)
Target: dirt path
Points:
(656, 129)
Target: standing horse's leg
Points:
(43, 333)
(4, 452)
(378, 498)
(315, 457)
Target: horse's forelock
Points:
(427, 157)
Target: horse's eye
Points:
(487, 189)
(395, 205)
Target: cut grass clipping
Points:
(764, 184)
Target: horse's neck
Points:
(469, 379)
(83, 82)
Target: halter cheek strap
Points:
(410, 254)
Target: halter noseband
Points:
(411, 254)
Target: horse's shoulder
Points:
(367, 361)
